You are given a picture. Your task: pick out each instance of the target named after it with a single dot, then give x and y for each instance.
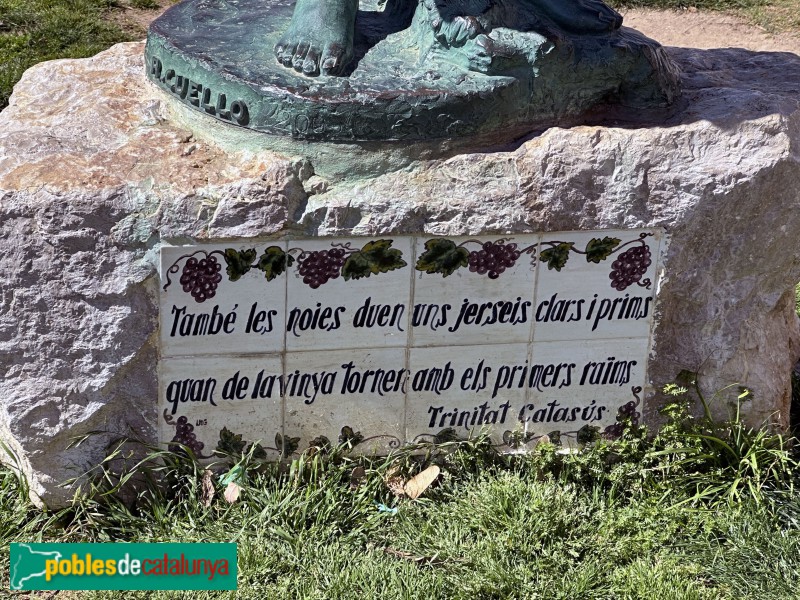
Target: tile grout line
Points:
(161, 364)
(532, 334)
(284, 351)
(409, 338)
(661, 237)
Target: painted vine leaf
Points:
(257, 451)
(588, 434)
(598, 250)
(239, 262)
(290, 445)
(448, 434)
(375, 257)
(349, 436)
(274, 262)
(356, 267)
(383, 257)
(442, 256)
(230, 443)
(516, 439)
(286, 445)
(512, 439)
(322, 443)
(557, 256)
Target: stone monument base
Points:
(96, 171)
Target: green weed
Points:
(699, 511)
(729, 462)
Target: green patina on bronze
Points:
(427, 71)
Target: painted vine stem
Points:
(492, 258)
(444, 257)
(516, 438)
(201, 271)
(627, 269)
(232, 444)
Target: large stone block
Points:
(97, 168)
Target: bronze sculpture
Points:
(488, 71)
(319, 38)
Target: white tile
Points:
(572, 384)
(362, 389)
(500, 353)
(467, 389)
(578, 301)
(370, 311)
(240, 393)
(245, 315)
(458, 306)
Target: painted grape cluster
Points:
(630, 267)
(201, 277)
(627, 414)
(318, 267)
(493, 258)
(185, 436)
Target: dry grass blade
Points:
(357, 477)
(395, 482)
(417, 485)
(207, 488)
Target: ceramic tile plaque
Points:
(393, 339)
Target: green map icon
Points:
(28, 565)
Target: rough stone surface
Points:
(95, 173)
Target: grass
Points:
(773, 16)
(637, 518)
(32, 31)
(699, 4)
(777, 16)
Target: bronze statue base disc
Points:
(216, 56)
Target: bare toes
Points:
(473, 27)
(333, 59)
(329, 66)
(311, 63)
(486, 44)
(288, 54)
(300, 55)
(460, 32)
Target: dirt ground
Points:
(708, 30)
(687, 28)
